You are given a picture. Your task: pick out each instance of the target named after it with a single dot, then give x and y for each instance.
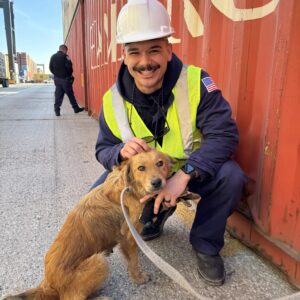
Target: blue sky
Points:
(38, 28)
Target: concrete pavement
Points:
(47, 163)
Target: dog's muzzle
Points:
(156, 183)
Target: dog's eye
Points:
(160, 163)
(142, 168)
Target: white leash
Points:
(156, 259)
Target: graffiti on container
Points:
(96, 40)
(101, 55)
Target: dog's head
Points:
(147, 172)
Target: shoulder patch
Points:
(209, 84)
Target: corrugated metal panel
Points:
(103, 56)
(251, 49)
(255, 63)
(75, 51)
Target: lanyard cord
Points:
(160, 107)
(156, 259)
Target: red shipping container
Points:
(251, 49)
(76, 51)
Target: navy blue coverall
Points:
(221, 180)
(62, 68)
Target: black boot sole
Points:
(209, 281)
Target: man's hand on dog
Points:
(175, 186)
(133, 147)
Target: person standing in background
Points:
(62, 69)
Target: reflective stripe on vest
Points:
(121, 116)
(184, 114)
(183, 138)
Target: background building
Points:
(27, 67)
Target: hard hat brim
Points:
(138, 37)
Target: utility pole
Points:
(7, 6)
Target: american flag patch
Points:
(209, 84)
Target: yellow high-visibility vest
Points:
(183, 137)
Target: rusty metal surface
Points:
(251, 49)
(103, 56)
(76, 50)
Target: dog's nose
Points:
(156, 182)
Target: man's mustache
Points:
(149, 67)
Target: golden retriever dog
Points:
(75, 265)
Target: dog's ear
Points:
(170, 162)
(127, 173)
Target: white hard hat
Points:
(143, 20)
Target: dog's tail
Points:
(39, 293)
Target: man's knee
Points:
(232, 176)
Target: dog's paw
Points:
(141, 278)
(96, 296)
(11, 297)
(101, 298)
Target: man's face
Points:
(147, 63)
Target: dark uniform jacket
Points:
(61, 65)
(219, 130)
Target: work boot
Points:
(78, 110)
(154, 229)
(57, 113)
(211, 268)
